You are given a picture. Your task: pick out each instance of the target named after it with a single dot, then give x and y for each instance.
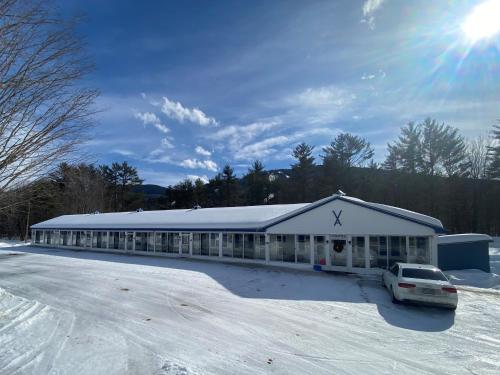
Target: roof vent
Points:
(196, 207)
(340, 192)
(139, 210)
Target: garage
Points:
(464, 251)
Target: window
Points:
(249, 246)
(275, 248)
(419, 251)
(88, 242)
(303, 249)
(185, 243)
(227, 245)
(358, 252)
(114, 240)
(260, 246)
(214, 244)
(174, 244)
(282, 248)
(397, 250)
(161, 242)
(319, 250)
(141, 243)
(48, 237)
(238, 246)
(205, 243)
(151, 241)
(395, 270)
(196, 244)
(123, 237)
(38, 236)
(425, 274)
(130, 241)
(378, 252)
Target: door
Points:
(338, 252)
(185, 243)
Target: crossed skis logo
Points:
(337, 218)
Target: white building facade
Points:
(337, 233)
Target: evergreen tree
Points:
(302, 175)
(405, 153)
(121, 178)
(257, 182)
(230, 187)
(348, 150)
(494, 153)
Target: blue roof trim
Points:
(108, 229)
(361, 204)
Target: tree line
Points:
(430, 168)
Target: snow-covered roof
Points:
(461, 238)
(245, 217)
(220, 218)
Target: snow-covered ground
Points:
(70, 312)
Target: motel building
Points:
(337, 233)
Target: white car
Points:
(420, 283)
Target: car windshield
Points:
(418, 273)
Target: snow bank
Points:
(477, 278)
(12, 243)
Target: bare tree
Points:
(477, 157)
(44, 110)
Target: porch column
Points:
(296, 239)
(180, 243)
(433, 249)
(311, 248)
(220, 244)
(328, 258)
(191, 244)
(267, 247)
(107, 241)
(407, 249)
(349, 252)
(367, 251)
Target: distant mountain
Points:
(150, 190)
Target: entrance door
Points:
(185, 243)
(338, 252)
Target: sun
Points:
(483, 22)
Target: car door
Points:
(391, 276)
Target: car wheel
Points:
(393, 297)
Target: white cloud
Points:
(194, 177)
(201, 151)
(180, 113)
(149, 118)
(274, 145)
(201, 164)
(166, 142)
(367, 76)
(236, 137)
(122, 152)
(369, 9)
(326, 96)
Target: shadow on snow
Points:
(271, 282)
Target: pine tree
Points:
(348, 150)
(257, 182)
(302, 175)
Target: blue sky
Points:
(188, 86)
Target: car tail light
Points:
(449, 289)
(406, 285)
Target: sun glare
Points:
(483, 22)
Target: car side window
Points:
(395, 270)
